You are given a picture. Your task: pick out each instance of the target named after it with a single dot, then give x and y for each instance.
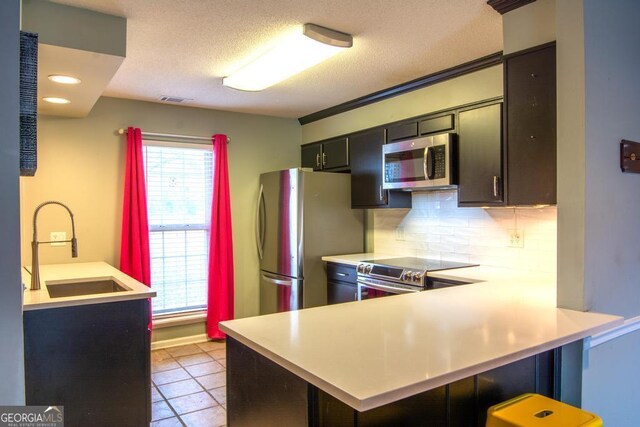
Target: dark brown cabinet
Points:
(480, 156)
(328, 155)
(402, 131)
(422, 126)
(531, 126)
(311, 156)
(439, 124)
(365, 153)
(92, 359)
(341, 283)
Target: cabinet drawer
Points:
(341, 273)
(437, 124)
(402, 131)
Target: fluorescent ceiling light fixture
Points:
(65, 80)
(55, 100)
(309, 46)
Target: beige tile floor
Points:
(189, 385)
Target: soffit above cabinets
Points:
(184, 48)
(94, 69)
(74, 42)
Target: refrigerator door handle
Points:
(259, 232)
(268, 278)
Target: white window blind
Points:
(179, 187)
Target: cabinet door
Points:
(531, 127)
(366, 170)
(480, 156)
(339, 292)
(402, 131)
(311, 156)
(365, 156)
(335, 154)
(437, 124)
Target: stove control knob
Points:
(417, 277)
(367, 269)
(408, 275)
(360, 268)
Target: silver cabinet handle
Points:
(324, 159)
(318, 160)
(495, 186)
(270, 279)
(381, 195)
(259, 242)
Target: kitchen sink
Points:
(89, 287)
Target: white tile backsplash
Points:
(437, 228)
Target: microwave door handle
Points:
(429, 163)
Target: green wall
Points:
(473, 87)
(81, 162)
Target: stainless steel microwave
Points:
(421, 163)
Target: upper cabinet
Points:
(328, 155)
(365, 151)
(422, 126)
(480, 156)
(506, 152)
(530, 82)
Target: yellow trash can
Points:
(534, 410)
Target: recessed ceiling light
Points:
(65, 80)
(310, 45)
(55, 100)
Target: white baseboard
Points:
(192, 339)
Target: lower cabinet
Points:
(338, 292)
(92, 359)
(263, 393)
(341, 283)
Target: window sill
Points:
(177, 319)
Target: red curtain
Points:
(220, 290)
(134, 242)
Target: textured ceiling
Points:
(184, 47)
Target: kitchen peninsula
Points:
(444, 355)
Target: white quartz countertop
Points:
(354, 259)
(79, 272)
(374, 352)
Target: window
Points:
(179, 186)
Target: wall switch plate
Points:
(516, 238)
(57, 236)
(400, 233)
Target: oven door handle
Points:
(384, 288)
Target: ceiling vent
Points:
(174, 99)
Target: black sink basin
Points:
(72, 289)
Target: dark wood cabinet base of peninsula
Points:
(261, 392)
(92, 359)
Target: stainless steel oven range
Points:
(392, 276)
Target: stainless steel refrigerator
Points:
(301, 216)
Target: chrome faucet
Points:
(35, 265)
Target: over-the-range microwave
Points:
(427, 163)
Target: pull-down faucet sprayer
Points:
(35, 265)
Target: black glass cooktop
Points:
(420, 264)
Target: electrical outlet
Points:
(57, 236)
(516, 238)
(400, 233)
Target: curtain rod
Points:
(169, 136)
